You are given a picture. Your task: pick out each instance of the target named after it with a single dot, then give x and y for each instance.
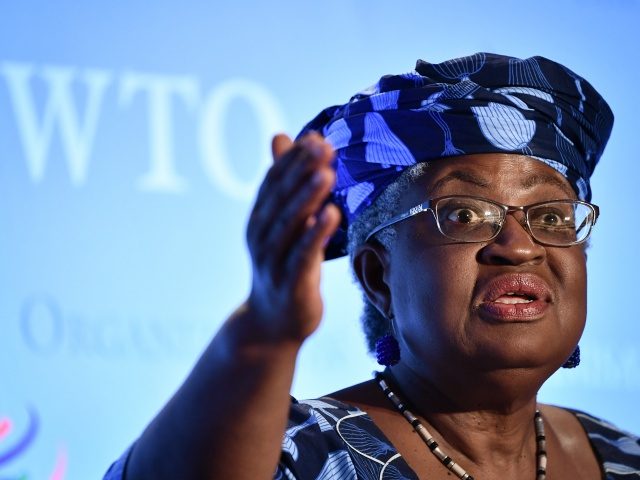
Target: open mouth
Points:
(513, 298)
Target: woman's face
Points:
(503, 304)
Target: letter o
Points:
(41, 325)
(211, 133)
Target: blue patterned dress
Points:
(329, 440)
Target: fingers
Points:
(285, 153)
(295, 188)
(279, 146)
(298, 215)
(308, 254)
(288, 229)
(290, 159)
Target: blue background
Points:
(115, 272)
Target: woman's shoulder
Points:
(326, 423)
(328, 435)
(591, 423)
(316, 416)
(617, 450)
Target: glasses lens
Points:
(468, 219)
(561, 223)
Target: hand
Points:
(287, 232)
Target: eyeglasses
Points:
(558, 223)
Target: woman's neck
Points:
(487, 423)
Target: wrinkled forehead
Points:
(505, 178)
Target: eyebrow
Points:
(462, 176)
(542, 179)
(529, 182)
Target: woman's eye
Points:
(463, 215)
(552, 219)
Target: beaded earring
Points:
(574, 360)
(387, 348)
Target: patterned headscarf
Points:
(484, 103)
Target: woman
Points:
(460, 191)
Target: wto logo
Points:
(15, 442)
(51, 100)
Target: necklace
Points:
(446, 460)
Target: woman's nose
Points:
(513, 245)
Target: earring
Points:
(574, 360)
(387, 348)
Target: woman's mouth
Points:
(514, 297)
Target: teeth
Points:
(511, 299)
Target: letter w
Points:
(77, 137)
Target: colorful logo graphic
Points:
(14, 444)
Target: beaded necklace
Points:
(447, 461)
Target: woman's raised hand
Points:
(288, 228)
(236, 399)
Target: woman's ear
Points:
(371, 266)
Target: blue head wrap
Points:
(484, 103)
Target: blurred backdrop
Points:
(132, 138)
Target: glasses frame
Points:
(432, 205)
